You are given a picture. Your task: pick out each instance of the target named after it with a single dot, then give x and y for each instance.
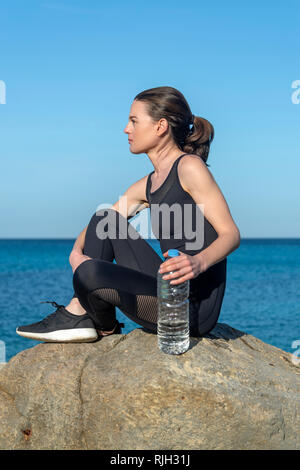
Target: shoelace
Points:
(52, 302)
(56, 305)
(49, 317)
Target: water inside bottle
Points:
(173, 317)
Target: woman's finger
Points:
(182, 279)
(174, 265)
(178, 272)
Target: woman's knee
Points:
(90, 275)
(82, 276)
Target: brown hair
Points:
(169, 103)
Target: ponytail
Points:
(169, 103)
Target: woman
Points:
(159, 125)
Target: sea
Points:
(262, 295)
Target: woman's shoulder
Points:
(192, 167)
(191, 157)
(190, 162)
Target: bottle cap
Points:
(172, 253)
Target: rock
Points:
(228, 391)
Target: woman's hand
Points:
(76, 258)
(185, 267)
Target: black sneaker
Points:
(61, 327)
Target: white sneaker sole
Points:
(77, 335)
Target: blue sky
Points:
(72, 68)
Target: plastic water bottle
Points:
(173, 333)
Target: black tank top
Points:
(183, 226)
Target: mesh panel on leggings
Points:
(147, 307)
(109, 295)
(146, 304)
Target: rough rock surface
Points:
(228, 391)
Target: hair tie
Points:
(192, 124)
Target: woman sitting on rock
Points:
(188, 212)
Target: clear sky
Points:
(70, 70)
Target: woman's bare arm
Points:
(201, 185)
(132, 202)
(76, 256)
(79, 243)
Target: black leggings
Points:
(131, 283)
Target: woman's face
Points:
(143, 133)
